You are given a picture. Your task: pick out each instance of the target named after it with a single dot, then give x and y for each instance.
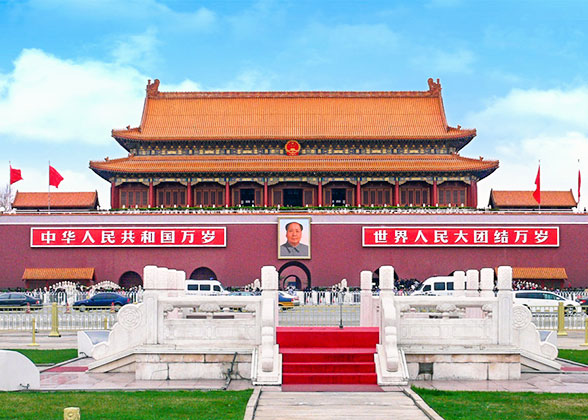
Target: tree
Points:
(6, 197)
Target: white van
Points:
(205, 287)
(543, 301)
(435, 286)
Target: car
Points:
(286, 300)
(12, 300)
(241, 293)
(435, 286)
(103, 300)
(543, 301)
(583, 301)
(205, 287)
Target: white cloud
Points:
(53, 100)
(130, 12)
(526, 126)
(136, 48)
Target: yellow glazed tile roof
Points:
(293, 115)
(564, 199)
(86, 273)
(294, 164)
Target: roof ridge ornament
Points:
(152, 88)
(434, 87)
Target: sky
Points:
(72, 70)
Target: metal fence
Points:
(63, 298)
(20, 319)
(325, 297)
(548, 318)
(346, 315)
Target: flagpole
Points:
(579, 184)
(539, 185)
(49, 190)
(9, 184)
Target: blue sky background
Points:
(71, 70)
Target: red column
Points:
(358, 193)
(397, 193)
(435, 194)
(320, 194)
(227, 194)
(189, 200)
(265, 193)
(114, 198)
(151, 198)
(474, 193)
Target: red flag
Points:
(537, 193)
(579, 183)
(15, 175)
(54, 177)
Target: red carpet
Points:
(329, 358)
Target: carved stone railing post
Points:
(487, 283)
(367, 303)
(151, 283)
(472, 283)
(505, 301)
(459, 279)
(269, 358)
(389, 327)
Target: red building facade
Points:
(337, 242)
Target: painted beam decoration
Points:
(128, 237)
(460, 236)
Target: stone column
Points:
(265, 201)
(358, 193)
(397, 193)
(435, 194)
(367, 303)
(151, 198)
(189, 200)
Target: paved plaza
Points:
(396, 402)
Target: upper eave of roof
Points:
(388, 115)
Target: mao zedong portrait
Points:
(292, 247)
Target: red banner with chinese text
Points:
(456, 236)
(98, 237)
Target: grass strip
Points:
(580, 356)
(461, 405)
(44, 357)
(139, 405)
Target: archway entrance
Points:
(296, 274)
(203, 273)
(130, 279)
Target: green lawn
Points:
(580, 356)
(143, 405)
(457, 405)
(44, 357)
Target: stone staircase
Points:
(314, 356)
